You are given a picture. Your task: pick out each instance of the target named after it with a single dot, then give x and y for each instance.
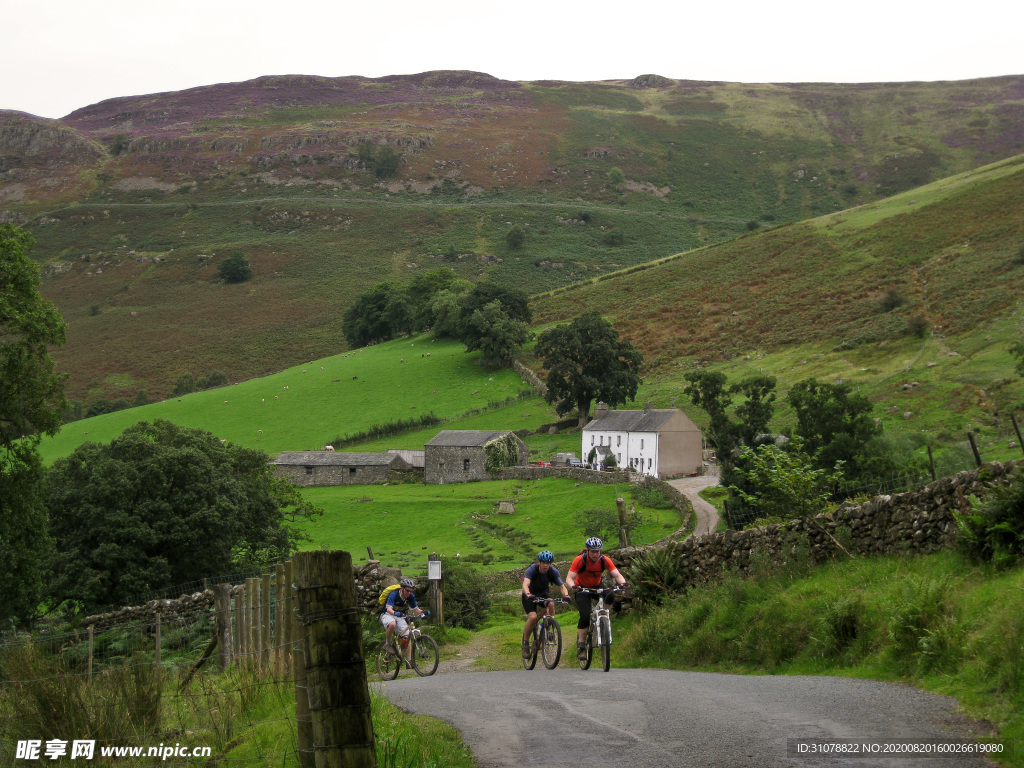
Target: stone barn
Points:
(458, 455)
(322, 468)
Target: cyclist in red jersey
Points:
(586, 571)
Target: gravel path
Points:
(707, 515)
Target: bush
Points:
(993, 531)
(918, 326)
(892, 300)
(234, 269)
(604, 522)
(655, 575)
(515, 237)
(923, 632)
(466, 598)
(839, 626)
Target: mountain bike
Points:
(600, 633)
(390, 659)
(547, 637)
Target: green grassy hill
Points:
(133, 201)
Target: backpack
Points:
(603, 562)
(386, 593)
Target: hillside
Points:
(133, 201)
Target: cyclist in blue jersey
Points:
(400, 601)
(536, 583)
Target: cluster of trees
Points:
(485, 316)
(383, 160)
(158, 506)
(835, 440)
(234, 269)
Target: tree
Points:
(422, 290)
(711, 391)
(586, 360)
(495, 334)
(234, 269)
(834, 422)
(513, 303)
(158, 506)
(31, 403)
(368, 320)
(782, 482)
(515, 238)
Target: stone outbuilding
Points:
(323, 468)
(658, 442)
(459, 455)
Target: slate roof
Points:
(464, 438)
(631, 421)
(334, 459)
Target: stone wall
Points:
(573, 473)
(917, 523)
(322, 476)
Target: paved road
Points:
(707, 515)
(650, 718)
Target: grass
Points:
(304, 407)
(405, 523)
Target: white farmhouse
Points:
(659, 442)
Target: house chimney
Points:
(648, 406)
(600, 410)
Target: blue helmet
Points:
(594, 543)
(546, 557)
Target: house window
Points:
(641, 443)
(602, 440)
(649, 463)
(352, 471)
(465, 464)
(618, 459)
(618, 440)
(309, 470)
(591, 439)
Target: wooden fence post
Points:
(156, 655)
(239, 647)
(339, 697)
(250, 623)
(974, 448)
(290, 635)
(265, 622)
(624, 541)
(278, 620)
(222, 617)
(435, 594)
(931, 462)
(92, 631)
(1020, 440)
(303, 724)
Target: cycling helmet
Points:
(593, 543)
(546, 557)
(408, 583)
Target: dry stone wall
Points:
(915, 523)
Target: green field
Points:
(405, 523)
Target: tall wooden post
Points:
(250, 624)
(435, 593)
(92, 631)
(303, 724)
(620, 504)
(222, 617)
(339, 697)
(931, 462)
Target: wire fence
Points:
(136, 690)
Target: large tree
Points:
(834, 422)
(31, 400)
(158, 506)
(379, 314)
(496, 334)
(586, 361)
(711, 391)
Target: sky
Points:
(68, 54)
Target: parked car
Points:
(577, 463)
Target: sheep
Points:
(260, 431)
(329, 448)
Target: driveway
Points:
(707, 515)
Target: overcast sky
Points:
(60, 55)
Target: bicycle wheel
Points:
(551, 648)
(604, 626)
(589, 655)
(388, 664)
(424, 655)
(531, 661)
